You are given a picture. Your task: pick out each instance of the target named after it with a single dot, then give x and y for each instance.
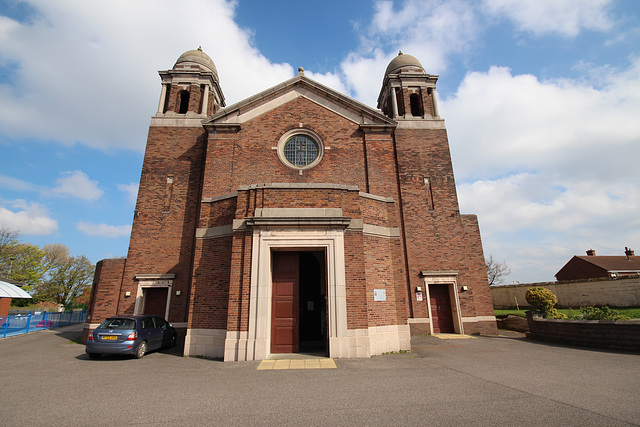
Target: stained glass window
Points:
(301, 150)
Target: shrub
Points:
(601, 313)
(554, 314)
(541, 299)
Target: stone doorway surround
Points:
(300, 229)
(146, 281)
(317, 229)
(448, 278)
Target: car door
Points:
(153, 334)
(165, 334)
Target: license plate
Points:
(109, 337)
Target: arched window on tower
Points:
(416, 105)
(184, 102)
(400, 101)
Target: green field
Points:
(632, 312)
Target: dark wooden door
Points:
(285, 306)
(155, 301)
(441, 314)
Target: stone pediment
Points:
(299, 86)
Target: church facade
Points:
(298, 220)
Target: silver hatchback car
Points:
(135, 335)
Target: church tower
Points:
(157, 271)
(443, 248)
(407, 91)
(191, 89)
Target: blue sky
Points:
(541, 100)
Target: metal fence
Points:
(34, 321)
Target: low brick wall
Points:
(619, 335)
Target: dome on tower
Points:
(199, 57)
(403, 60)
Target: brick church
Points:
(298, 220)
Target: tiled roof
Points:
(613, 263)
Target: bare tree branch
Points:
(496, 271)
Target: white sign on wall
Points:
(379, 294)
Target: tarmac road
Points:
(487, 381)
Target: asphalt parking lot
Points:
(47, 379)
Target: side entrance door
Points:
(155, 301)
(441, 314)
(285, 307)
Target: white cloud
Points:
(104, 230)
(564, 17)
(550, 204)
(522, 123)
(551, 165)
(130, 191)
(76, 184)
(431, 33)
(7, 26)
(100, 89)
(331, 80)
(28, 218)
(16, 184)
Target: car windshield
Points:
(118, 324)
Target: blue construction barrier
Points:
(34, 321)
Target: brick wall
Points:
(104, 301)
(249, 156)
(106, 288)
(209, 299)
(5, 304)
(589, 333)
(438, 238)
(162, 236)
(578, 268)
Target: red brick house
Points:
(298, 220)
(594, 266)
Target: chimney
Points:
(629, 253)
(591, 252)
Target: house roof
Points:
(299, 86)
(613, 263)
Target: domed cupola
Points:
(404, 63)
(191, 89)
(408, 92)
(196, 58)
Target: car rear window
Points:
(118, 324)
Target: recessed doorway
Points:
(441, 313)
(155, 301)
(299, 314)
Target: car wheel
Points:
(94, 355)
(173, 341)
(142, 349)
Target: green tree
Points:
(49, 274)
(21, 262)
(66, 278)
